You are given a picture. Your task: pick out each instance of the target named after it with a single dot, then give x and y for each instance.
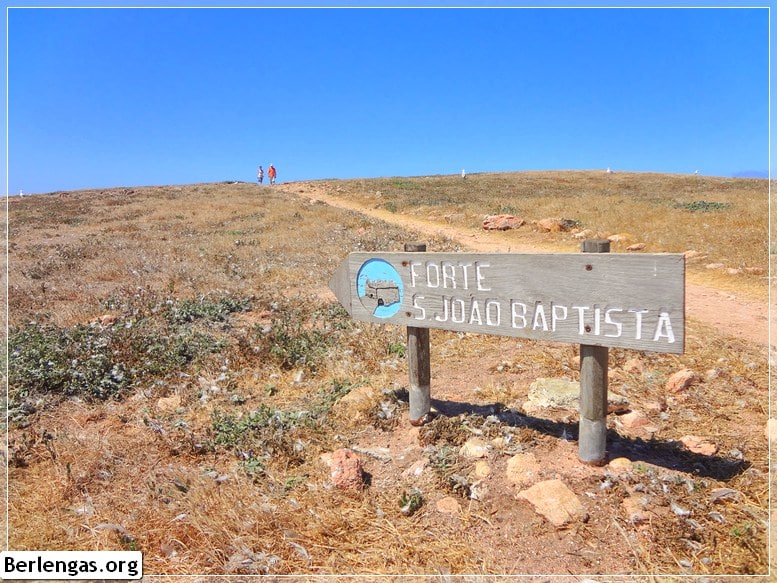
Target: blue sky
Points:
(126, 97)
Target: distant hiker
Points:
(271, 172)
(260, 174)
(463, 174)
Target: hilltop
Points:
(180, 374)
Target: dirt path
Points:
(728, 313)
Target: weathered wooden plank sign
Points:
(611, 300)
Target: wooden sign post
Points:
(597, 300)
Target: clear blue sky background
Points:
(124, 97)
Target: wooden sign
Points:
(602, 299)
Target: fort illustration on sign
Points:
(379, 288)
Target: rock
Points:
(636, 247)
(620, 465)
(584, 234)
(107, 320)
(680, 380)
(346, 470)
(547, 393)
(634, 420)
(692, 254)
(481, 470)
(562, 393)
(699, 445)
(474, 447)
(635, 509)
(416, 469)
(619, 237)
(554, 225)
(755, 270)
(502, 222)
(733, 271)
(715, 265)
(169, 404)
(522, 469)
(555, 501)
(448, 505)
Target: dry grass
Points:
(210, 462)
(659, 210)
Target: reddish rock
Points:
(555, 501)
(680, 380)
(699, 445)
(502, 222)
(555, 225)
(346, 470)
(636, 247)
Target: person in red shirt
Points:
(271, 172)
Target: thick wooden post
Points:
(592, 443)
(419, 368)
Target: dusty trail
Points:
(730, 314)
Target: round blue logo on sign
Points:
(379, 288)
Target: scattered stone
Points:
(169, 404)
(448, 505)
(755, 270)
(634, 420)
(635, 509)
(555, 225)
(620, 465)
(107, 320)
(555, 501)
(719, 494)
(619, 237)
(522, 469)
(636, 247)
(475, 447)
(692, 254)
(346, 470)
(733, 271)
(502, 222)
(481, 470)
(680, 380)
(416, 469)
(562, 393)
(715, 265)
(699, 445)
(584, 234)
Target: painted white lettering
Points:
(597, 320)
(413, 274)
(480, 277)
(457, 318)
(444, 312)
(557, 312)
(432, 268)
(638, 322)
(417, 306)
(515, 308)
(539, 318)
(608, 320)
(581, 318)
(465, 270)
(448, 275)
(474, 313)
(493, 313)
(664, 328)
